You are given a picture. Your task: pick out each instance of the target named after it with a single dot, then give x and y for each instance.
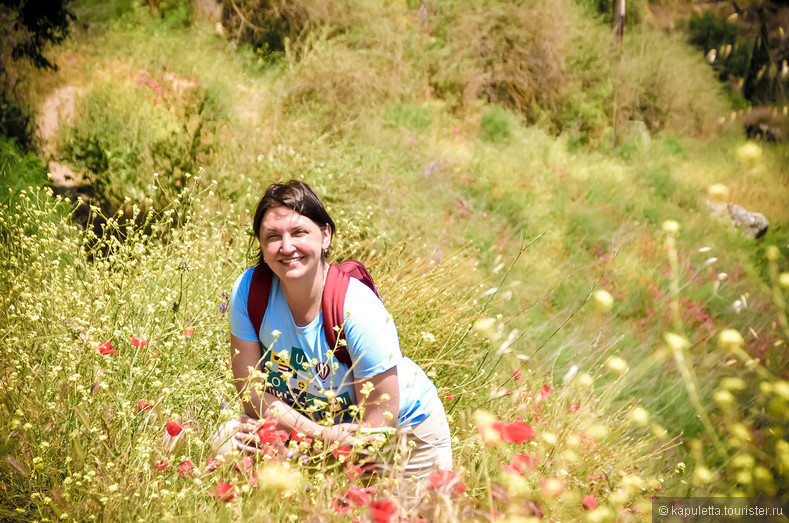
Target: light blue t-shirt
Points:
(300, 367)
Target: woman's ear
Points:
(326, 237)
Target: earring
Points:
(324, 252)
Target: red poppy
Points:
(341, 451)
(383, 511)
(224, 492)
(543, 393)
(589, 502)
(521, 464)
(161, 464)
(185, 468)
(188, 331)
(341, 506)
(515, 432)
(516, 373)
(298, 438)
(106, 347)
(356, 496)
(449, 480)
(137, 341)
(212, 464)
(174, 428)
(245, 465)
(353, 470)
(144, 405)
(267, 433)
(573, 408)
(450, 397)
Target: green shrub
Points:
(19, 170)
(708, 31)
(495, 124)
(407, 115)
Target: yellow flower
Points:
(730, 339)
(733, 384)
(781, 388)
(639, 416)
(616, 365)
(702, 475)
(279, 477)
(772, 253)
(750, 152)
(485, 326)
(671, 227)
(724, 398)
(783, 279)
(603, 301)
(675, 341)
(718, 192)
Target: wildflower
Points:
(144, 405)
(279, 477)
(750, 152)
(224, 492)
(616, 365)
(551, 487)
(484, 421)
(783, 279)
(185, 468)
(383, 511)
(515, 432)
(245, 465)
(718, 192)
(353, 470)
(341, 506)
(450, 480)
(516, 374)
(730, 339)
(701, 475)
(733, 383)
(137, 341)
(675, 341)
(589, 502)
(341, 452)
(522, 464)
(428, 337)
(161, 464)
(671, 227)
(188, 331)
(355, 496)
(639, 416)
(299, 437)
(106, 348)
(267, 433)
(174, 428)
(450, 397)
(212, 464)
(603, 301)
(543, 393)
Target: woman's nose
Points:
(286, 245)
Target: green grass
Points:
(513, 215)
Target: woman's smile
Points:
(291, 243)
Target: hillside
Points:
(537, 206)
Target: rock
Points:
(753, 224)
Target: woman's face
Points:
(291, 243)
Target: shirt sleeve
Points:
(370, 332)
(240, 324)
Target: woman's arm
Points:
(381, 406)
(258, 404)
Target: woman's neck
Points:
(305, 296)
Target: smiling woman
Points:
(287, 370)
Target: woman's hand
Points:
(342, 433)
(246, 438)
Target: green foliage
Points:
(495, 124)
(18, 170)
(708, 31)
(407, 115)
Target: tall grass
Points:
(488, 235)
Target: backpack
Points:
(337, 281)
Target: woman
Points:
(287, 371)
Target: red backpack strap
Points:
(334, 291)
(337, 281)
(257, 301)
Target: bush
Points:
(495, 124)
(708, 31)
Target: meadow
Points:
(597, 337)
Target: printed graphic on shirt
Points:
(300, 390)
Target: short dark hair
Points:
(296, 196)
